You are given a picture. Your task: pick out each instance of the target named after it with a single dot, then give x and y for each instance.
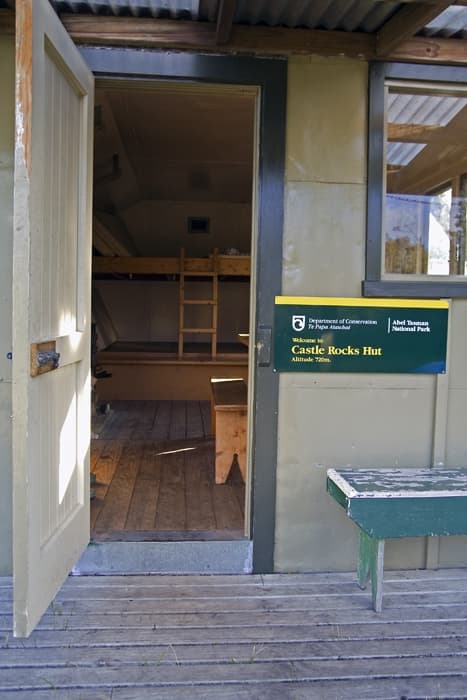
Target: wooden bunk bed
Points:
(228, 265)
(141, 369)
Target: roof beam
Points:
(260, 41)
(178, 34)
(110, 242)
(135, 31)
(406, 23)
(412, 133)
(424, 49)
(225, 18)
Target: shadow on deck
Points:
(274, 637)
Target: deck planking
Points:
(154, 465)
(278, 637)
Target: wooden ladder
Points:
(186, 272)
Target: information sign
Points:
(327, 334)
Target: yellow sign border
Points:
(358, 301)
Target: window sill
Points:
(418, 289)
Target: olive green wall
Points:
(7, 88)
(347, 419)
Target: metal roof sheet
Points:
(452, 23)
(366, 16)
(426, 110)
(169, 9)
(343, 15)
(339, 15)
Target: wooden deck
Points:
(275, 637)
(154, 466)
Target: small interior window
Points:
(198, 224)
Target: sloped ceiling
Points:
(173, 146)
(164, 145)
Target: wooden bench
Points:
(229, 412)
(388, 503)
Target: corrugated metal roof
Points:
(452, 23)
(168, 9)
(367, 16)
(339, 15)
(343, 15)
(401, 153)
(425, 110)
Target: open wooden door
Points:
(51, 309)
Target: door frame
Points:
(270, 76)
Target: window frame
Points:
(374, 285)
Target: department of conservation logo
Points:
(298, 323)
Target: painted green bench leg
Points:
(371, 566)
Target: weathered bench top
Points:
(402, 502)
(229, 393)
(401, 483)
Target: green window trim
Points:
(374, 285)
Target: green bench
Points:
(388, 503)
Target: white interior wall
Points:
(7, 87)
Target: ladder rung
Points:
(198, 330)
(199, 301)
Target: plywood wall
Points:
(148, 310)
(159, 228)
(7, 68)
(347, 419)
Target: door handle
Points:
(48, 357)
(44, 358)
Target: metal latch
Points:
(44, 357)
(263, 346)
(48, 357)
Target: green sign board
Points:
(326, 334)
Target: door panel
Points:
(51, 304)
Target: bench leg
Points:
(230, 441)
(371, 566)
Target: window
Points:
(417, 182)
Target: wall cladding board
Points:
(332, 426)
(324, 233)
(456, 447)
(326, 120)
(323, 239)
(453, 551)
(457, 343)
(7, 89)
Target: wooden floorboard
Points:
(154, 467)
(274, 637)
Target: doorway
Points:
(269, 78)
(172, 241)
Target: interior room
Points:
(172, 307)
